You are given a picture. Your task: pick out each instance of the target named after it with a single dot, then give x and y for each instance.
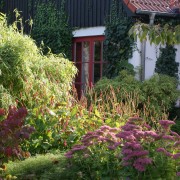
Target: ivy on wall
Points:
(118, 46)
(1, 5)
(50, 28)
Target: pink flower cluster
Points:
(172, 138)
(133, 139)
(166, 124)
(103, 135)
(132, 150)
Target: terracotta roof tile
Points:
(162, 6)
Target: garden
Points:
(120, 129)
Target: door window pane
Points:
(97, 51)
(97, 72)
(78, 52)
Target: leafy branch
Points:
(166, 34)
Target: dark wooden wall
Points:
(81, 13)
(84, 13)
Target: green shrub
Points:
(151, 99)
(175, 114)
(60, 127)
(27, 76)
(133, 151)
(166, 63)
(161, 91)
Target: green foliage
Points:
(175, 114)
(101, 154)
(2, 5)
(39, 167)
(117, 45)
(161, 90)
(134, 151)
(168, 33)
(166, 63)
(62, 126)
(50, 27)
(27, 76)
(93, 155)
(150, 99)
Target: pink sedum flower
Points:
(168, 137)
(177, 143)
(166, 123)
(141, 163)
(176, 156)
(161, 150)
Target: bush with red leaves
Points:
(12, 132)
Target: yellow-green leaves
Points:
(26, 74)
(157, 34)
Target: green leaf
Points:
(74, 111)
(97, 113)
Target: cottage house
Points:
(88, 17)
(148, 53)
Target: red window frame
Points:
(78, 62)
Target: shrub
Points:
(59, 127)
(63, 124)
(133, 151)
(12, 132)
(151, 99)
(98, 158)
(166, 63)
(27, 76)
(137, 150)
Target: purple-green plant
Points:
(95, 157)
(12, 132)
(138, 149)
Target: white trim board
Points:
(92, 31)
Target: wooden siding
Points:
(81, 13)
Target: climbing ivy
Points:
(1, 5)
(166, 63)
(118, 46)
(50, 28)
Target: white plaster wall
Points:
(92, 31)
(151, 55)
(178, 60)
(136, 58)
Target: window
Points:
(88, 58)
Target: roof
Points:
(161, 6)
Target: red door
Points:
(88, 57)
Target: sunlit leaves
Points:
(166, 34)
(28, 76)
